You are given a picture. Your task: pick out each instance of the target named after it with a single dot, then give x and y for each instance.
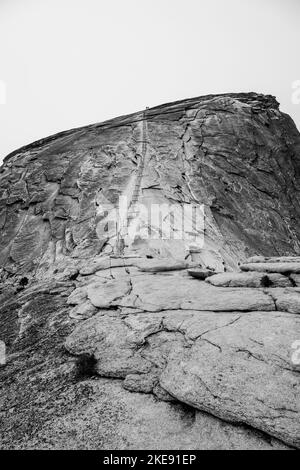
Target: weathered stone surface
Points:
(273, 259)
(230, 300)
(284, 267)
(135, 421)
(287, 300)
(103, 294)
(217, 362)
(249, 279)
(245, 375)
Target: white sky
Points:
(67, 63)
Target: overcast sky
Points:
(67, 63)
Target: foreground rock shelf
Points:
(223, 350)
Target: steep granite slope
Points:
(236, 154)
(201, 364)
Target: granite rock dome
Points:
(110, 340)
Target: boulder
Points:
(249, 279)
(295, 279)
(158, 265)
(284, 268)
(159, 292)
